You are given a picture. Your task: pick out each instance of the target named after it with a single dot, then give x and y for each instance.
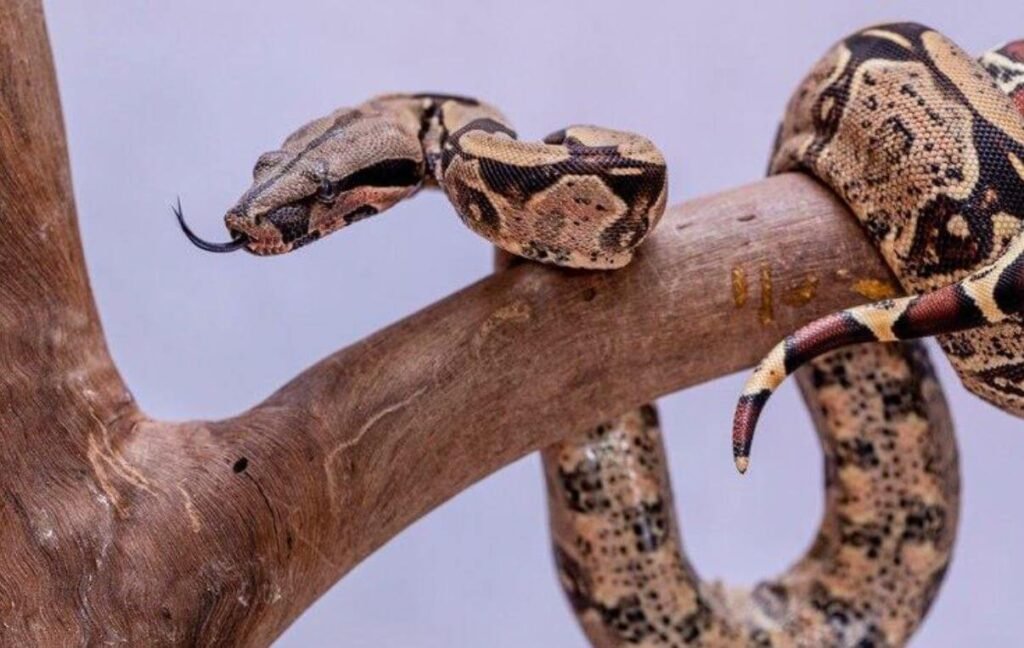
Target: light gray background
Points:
(168, 98)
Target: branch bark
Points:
(116, 527)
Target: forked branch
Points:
(118, 527)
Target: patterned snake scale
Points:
(587, 197)
(927, 150)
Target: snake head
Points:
(330, 173)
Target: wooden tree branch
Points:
(116, 527)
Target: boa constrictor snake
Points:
(587, 197)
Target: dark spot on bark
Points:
(240, 465)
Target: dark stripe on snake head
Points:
(339, 124)
(268, 159)
(394, 172)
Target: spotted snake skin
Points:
(587, 197)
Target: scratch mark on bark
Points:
(516, 312)
(348, 443)
(102, 455)
(266, 501)
(190, 510)
(316, 551)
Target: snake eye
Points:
(327, 192)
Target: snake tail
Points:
(986, 297)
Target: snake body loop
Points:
(869, 578)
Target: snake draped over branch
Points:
(926, 147)
(928, 152)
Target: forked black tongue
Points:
(235, 244)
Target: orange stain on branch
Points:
(801, 293)
(766, 310)
(739, 287)
(874, 289)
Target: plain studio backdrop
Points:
(162, 99)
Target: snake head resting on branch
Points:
(585, 197)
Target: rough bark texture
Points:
(115, 527)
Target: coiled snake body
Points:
(926, 146)
(587, 197)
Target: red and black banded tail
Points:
(818, 337)
(985, 297)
